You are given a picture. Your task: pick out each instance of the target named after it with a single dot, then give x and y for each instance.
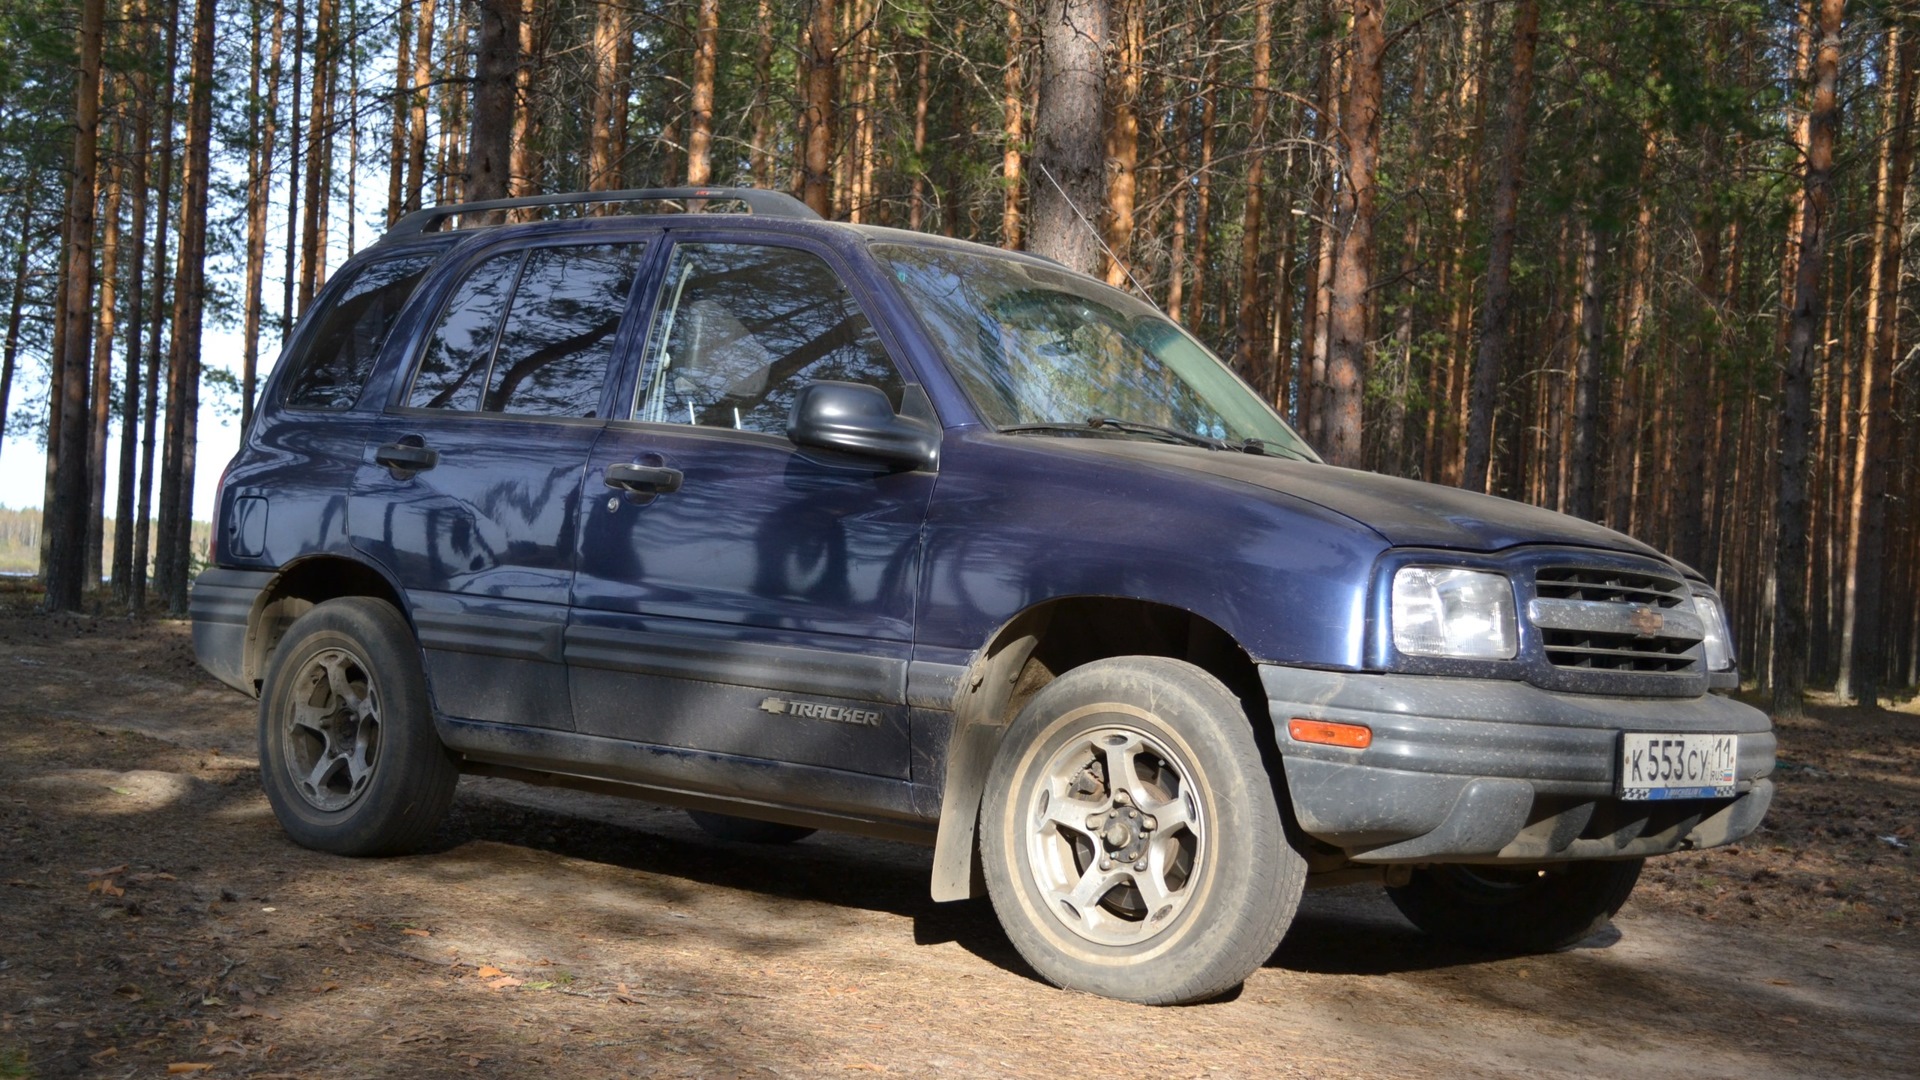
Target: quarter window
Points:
(333, 369)
(741, 328)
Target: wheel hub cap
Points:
(331, 740)
(1115, 835)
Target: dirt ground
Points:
(154, 920)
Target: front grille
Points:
(1604, 619)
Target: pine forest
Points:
(1637, 261)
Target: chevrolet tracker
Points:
(807, 525)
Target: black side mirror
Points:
(854, 418)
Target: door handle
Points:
(406, 457)
(644, 479)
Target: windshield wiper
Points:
(1103, 424)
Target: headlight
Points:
(1463, 614)
(1718, 644)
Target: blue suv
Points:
(806, 525)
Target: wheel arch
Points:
(299, 587)
(1032, 649)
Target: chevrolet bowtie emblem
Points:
(1648, 621)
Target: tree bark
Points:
(706, 48)
(1013, 116)
(1495, 329)
(423, 24)
(1250, 339)
(124, 567)
(150, 397)
(189, 307)
(1353, 222)
(1069, 163)
(313, 222)
(1123, 138)
(490, 137)
(101, 397)
(1581, 501)
(66, 514)
(1860, 658)
(259, 190)
(820, 57)
(1790, 549)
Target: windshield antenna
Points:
(1117, 261)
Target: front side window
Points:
(529, 333)
(741, 328)
(333, 369)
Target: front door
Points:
(734, 594)
(469, 495)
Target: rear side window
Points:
(333, 368)
(529, 333)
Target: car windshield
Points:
(1040, 349)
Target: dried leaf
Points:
(505, 981)
(411, 932)
(179, 1067)
(326, 988)
(489, 972)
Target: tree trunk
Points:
(259, 189)
(65, 520)
(1581, 501)
(1203, 186)
(124, 567)
(490, 136)
(761, 160)
(706, 49)
(1250, 339)
(1860, 657)
(1495, 329)
(1790, 550)
(1013, 116)
(10, 352)
(819, 58)
(402, 76)
(922, 90)
(101, 397)
(189, 307)
(1123, 139)
(1353, 222)
(423, 24)
(1069, 165)
(313, 224)
(526, 96)
(150, 398)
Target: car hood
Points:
(1407, 513)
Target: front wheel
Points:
(1131, 840)
(348, 755)
(1520, 909)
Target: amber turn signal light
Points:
(1351, 736)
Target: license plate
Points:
(1677, 766)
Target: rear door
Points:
(734, 594)
(469, 492)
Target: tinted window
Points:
(351, 330)
(553, 351)
(455, 365)
(741, 328)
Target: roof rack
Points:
(756, 200)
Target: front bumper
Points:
(1484, 771)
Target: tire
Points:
(348, 754)
(1221, 879)
(748, 830)
(1518, 909)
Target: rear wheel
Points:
(348, 755)
(1130, 836)
(1524, 909)
(747, 830)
